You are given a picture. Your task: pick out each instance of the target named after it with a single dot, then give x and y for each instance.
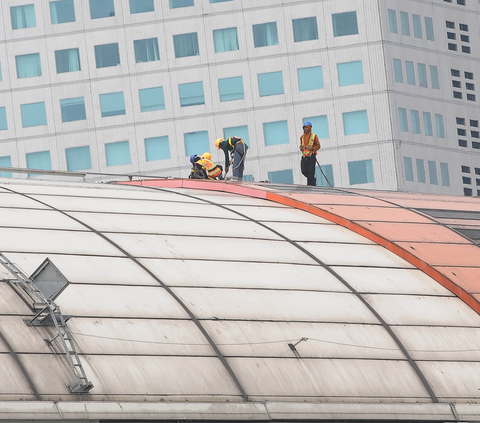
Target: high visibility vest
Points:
(212, 169)
(308, 153)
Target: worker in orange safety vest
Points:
(209, 169)
(309, 145)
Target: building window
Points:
(146, 50)
(432, 173)
(455, 72)
(392, 21)
(117, 153)
(28, 65)
(444, 174)
(225, 40)
(422, 74)
(141, 6)
(67, 60)
(429, 29)
(417, 26)
(451, 36)
(474, 123)
(427, 124)
(73, 109)
(112, 104)
(402, 116)
(310, 79)
(320, 125)
(461, 132)
(467, 192)
(276, 133)
(39, 160)
(470, 87)
(270, 83)
(408, 167)
(463, 27)
(475, 134)
(405, 23)
(281, 177)
(23, 16)
(360, 172)
(456, 84)
(439, 126)
(305, 29)
(101, 9)
(434, 77)
(462, 143)
(237, 131)
(186, 45)
(322, 180)
(6, 161)
(107, 55)
(468, 75)
(414, 115)
(344, 24)
(157, 148)
(33, 114)
(457, 94)
(471, 97)
(464, 38)
(3, 119)
(355, 123)
(450, 24)
(265, 34)
(174, 4)
(465, 49)
(151, 99)
(397, 70)
(350, 73)
(420, 170)
(460, 121)
(452, 47)
(410, 73)
(466, 169)
(231, 88)
(78, 158)
(196, 142)
(466, 180)
(62, 11)
(191, 94)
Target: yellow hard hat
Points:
(217, 143)
(207, 156)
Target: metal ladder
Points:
(50, 315)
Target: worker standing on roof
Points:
(204, 167)
(238, 149)
(309, 145)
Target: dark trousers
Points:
(307, 166)
(239, 159)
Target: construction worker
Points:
(238, 150)
(205, 167)
(309, 145)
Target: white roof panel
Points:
(13, 382)
(269, 214)
(39, 219)
(8, 199)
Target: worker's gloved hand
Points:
(302, 148)
(226, 169)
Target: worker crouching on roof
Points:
(238, 149)
(309, 145)
(204, 168)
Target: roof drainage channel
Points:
(155, 277)
(385, 325)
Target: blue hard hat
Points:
(192, 158)
(307, 123)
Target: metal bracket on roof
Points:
(50, 315)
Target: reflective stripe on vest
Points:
(212, 169)
(307, 153)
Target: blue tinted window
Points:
(101, 9)
(28, 65)
(237, 131)
(350, 73)
(3, 119)
(417, 26)
(397, 69)
(23, 16)
(146, 50)
(305, 29)
(432, 172)
(276, 133)
(225, 39)
(191, 94)
(429, 28)
(422, 75)
(231, 88)
(392, 21)
(434, 77)
(407, 164)
(344, 24)
(319, 125)
(73, 109)
(310, 78)
(5, 161)
(420, 170)
(265, 34)
(186, 45)
(444, 173)
(33, 114)
(62, 11)
(281, 177)
(360, 172)
(410, 73)
(402, 116)
(141, 6)
(196, 142)
(405, 23)
(112, 104)
(117, 153)
(328, 171)
(174, 4)
(427, 124)
(355, 123)
(78, 158)
(439, 126)
(39, 160)
(414, 115)
(157, 148)
(67, 60)
(270, 83)
(151, 99)
(107, 55)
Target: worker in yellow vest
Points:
(204, 166)
(238, 150)
(309, 145)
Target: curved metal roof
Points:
(252, 301)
